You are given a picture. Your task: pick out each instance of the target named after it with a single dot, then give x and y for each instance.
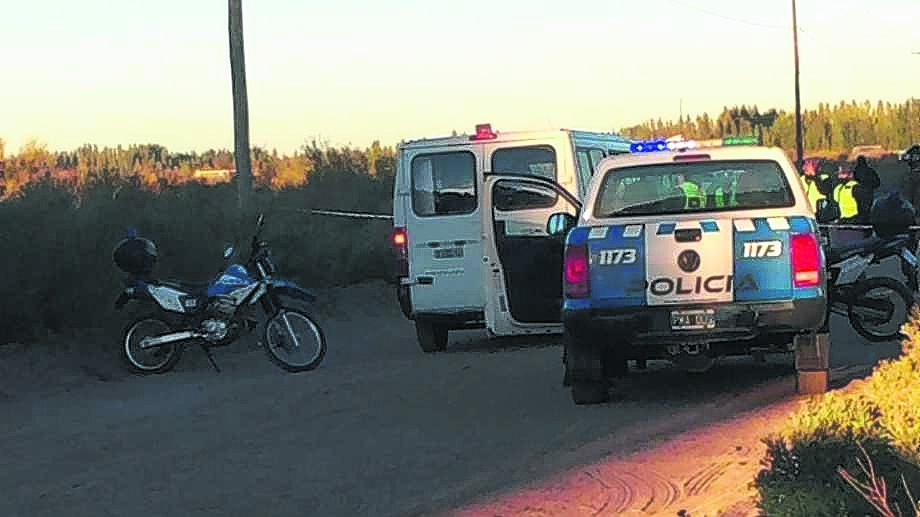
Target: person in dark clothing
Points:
(910, 185)
(910, 182)
(864, 192)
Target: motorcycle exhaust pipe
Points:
(164, 339)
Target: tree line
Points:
(827, 129)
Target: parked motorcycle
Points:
(876, 307)
(214, 313)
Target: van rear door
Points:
(443, 228)
(523, 275)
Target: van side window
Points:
(444, 184)
(596, 156)
(583, 161)
(539, 160)
(510, 195)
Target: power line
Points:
(732, 18)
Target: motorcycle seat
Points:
(870, 245)
(193, 288)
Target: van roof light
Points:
(484, 132)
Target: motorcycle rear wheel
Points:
(897, 293)
(290, 333)
(154, 360)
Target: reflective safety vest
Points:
(843, 195)
(719, 196)
(811, 190)
(696, 198)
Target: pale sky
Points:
(114, 72)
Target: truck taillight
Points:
(805, 254)
(576, 274)
(400, 241)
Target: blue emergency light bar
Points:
(648, 147)
(655, 146)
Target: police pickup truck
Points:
(688, 251)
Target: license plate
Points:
(696, 319)
(446, 253)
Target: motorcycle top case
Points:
(891, 215)
(716, 260)
(135, 255)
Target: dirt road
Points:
(380, 429)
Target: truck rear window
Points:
(444, 183)
(704, 186)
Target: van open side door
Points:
(522, 262)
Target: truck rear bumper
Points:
(650, 327)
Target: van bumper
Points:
(452, 319)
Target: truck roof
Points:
(727, 152)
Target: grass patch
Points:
(851, 452)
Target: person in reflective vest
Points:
(723, 191)
(843, 193)
(817, 186)
(694, 196)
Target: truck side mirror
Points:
(560, 223)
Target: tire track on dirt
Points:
(701, 480)
(646, 491)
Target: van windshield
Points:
(539, 160)
(708, 186)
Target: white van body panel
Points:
(447, 259)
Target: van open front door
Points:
(523, 263)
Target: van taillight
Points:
(400, 241)
(576, 271)
(805, 254)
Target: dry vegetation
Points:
(852, 452)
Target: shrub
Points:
(809, 465)
(58, 244)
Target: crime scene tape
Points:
(365, 215)
(355, 215)
(856, 227)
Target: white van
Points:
(470, 239)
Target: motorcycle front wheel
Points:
(159, 359)
(878, 307)
(294, 341)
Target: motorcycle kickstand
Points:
(207, 351)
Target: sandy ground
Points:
(379, 429)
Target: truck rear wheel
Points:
(584, 363)
(431, 337)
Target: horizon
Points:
(344, 73)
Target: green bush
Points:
(807, 463)
(57, 262)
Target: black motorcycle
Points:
(875, 306)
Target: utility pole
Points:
(242, 159)
(910, 125)
(799, 147)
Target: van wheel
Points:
(431, 337)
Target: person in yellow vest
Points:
(843, 194)
(722, 192)
(694, 196)
(817, 186)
